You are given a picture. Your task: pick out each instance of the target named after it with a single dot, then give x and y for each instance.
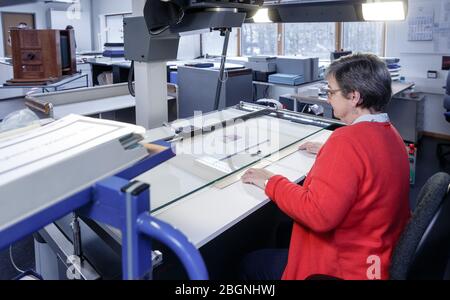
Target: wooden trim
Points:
(238, 34)
(436, 135)
(201, 44)
(338, 36)
(280, 39)
(384, 38)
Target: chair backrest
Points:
(447, 98)
(447, 86)
(424, 246)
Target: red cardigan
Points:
(352, 208)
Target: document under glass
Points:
(210, 158)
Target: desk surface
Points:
(287, 85)
(210, 210)
(398, 87)
(56, 84)
(208, 213)
(126, 65)
(106, 61)
(93, 107)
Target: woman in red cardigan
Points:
(353, 206)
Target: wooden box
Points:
(42, 56)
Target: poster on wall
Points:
(420, 23)
(442, 29)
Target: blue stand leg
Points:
(125, 205)
(136, 250)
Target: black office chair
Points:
(423, 249)
(443, 150)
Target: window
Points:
(259, 39)
(310, 39)
(364, 37)
(212, 43)
(302, 39)
(113, 28)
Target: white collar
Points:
(379, 118)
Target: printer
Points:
(262, 66)
(295, 70)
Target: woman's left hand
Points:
(257, 177)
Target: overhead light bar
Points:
(262, 16)
(384, 11)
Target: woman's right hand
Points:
(311, 147)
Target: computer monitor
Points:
(338, 54)
(65, 52)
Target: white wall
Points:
(189, 45)
(43, 21)
(60, 17)
(416, 58)
(106, 7)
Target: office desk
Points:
(95, 107)
(399, 87)
(405, 110)
(328, 109)
(215, 208)
(109, 102)
(296, 88)
(207, 203)
(209, 211)
(119, 69)
(66, 83)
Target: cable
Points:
(304, 107)
(266, 92)
(153, 32)
(130, 80)
(181, 17)
(161, 30)
(12, 261)
(225, 77)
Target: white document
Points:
(58, 141)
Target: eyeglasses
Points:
(329, 92)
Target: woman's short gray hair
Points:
(366, 74)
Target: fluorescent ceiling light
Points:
(384, 11)
(262, 16)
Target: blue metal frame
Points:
(177, 242)
(124, 205)
(41, 219)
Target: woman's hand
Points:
(311, 147)
(257, 177)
